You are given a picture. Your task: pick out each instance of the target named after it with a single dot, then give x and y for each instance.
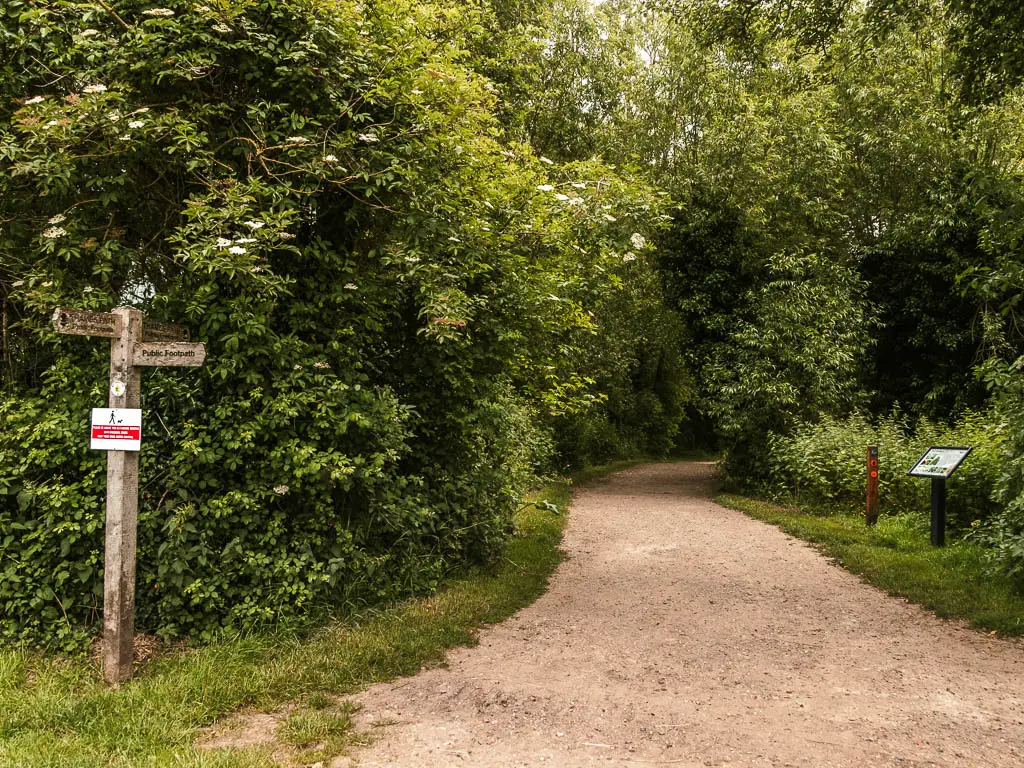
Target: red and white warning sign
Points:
(116, 429)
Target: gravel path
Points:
(681, 633)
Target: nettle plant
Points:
(391, 295)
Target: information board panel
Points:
(939, 461)
(116, 429)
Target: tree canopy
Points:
(438, 248)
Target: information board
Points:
(116, 429)
(939, 462)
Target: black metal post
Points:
(938, 511)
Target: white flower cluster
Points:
(236, 249)
(630, 256)
(96, 88)
(321, 364)
(88, 32)
(54, 232)
(330, 159)
(35, 100)
(222, 28)
(369, 138)
(545, 188)
(280, 490)
(158, 12)
(351, 287)
(136, 124)
(60, 218)
(637, 240)
(254, 224)
(223, 242)
(297, 140)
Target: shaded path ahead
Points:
(682, 633)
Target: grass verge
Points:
(56, 712)
(896, 556)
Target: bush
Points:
(393, 300)
(825, 462)
(1004, 533)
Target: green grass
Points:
(57, 712)
(896, 556)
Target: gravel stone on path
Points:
(681, 633)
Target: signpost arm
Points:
(122, 510)
(938, 528)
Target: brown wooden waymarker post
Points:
(871, 512)
(133, 343)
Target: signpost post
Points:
(871, 510)
(939, 463)
(133, 343)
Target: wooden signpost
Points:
(135, 342)
(871, 512)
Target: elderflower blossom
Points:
(280, 490)
(88, 32)
(286, 235)
(223, 242)
(236, 249)
(579, 185)
(637, 240)
(297, 140)
(54, 232)
(246, 240)
(351, 287)
(630, 256)
(560, 196)
(60, 218)
(223, 28)
(412, 259)
(35, 100)
(609, 217)
(330, 159)
(254, 224)
(51, 124)
(369, 138)
(321, 364)
(158, 12)
(136, 124)
(545, 160)
(545, 188)
(96, 88)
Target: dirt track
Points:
(681, 633)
